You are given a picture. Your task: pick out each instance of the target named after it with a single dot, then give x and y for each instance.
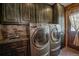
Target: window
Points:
(74, 19)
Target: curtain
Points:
(74, 19)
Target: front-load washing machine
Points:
(39, 39)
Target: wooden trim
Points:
(72, 6)
(65, 26)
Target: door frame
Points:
(72, 6)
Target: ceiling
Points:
(64, 4)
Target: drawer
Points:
(12, 45)
(25, 43)
(17, 44)
(21, 49)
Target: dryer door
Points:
(55, 31)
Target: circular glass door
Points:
(55, 36)
(39, 37)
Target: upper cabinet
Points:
(43, 13)
(55, 14)
(0, 12)
(58, 13)
(10, 13)
(14, 13)
(32, 13)
(23, 13)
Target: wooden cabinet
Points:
(12, 32)
(15, 13)
(18, 13)
(58, 13)
(25, 13)
(0, 12)
(55, 14)
(43, 13)
(33, 14)
(11, 13)
(16, 40)
(19, 48)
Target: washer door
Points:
(39, 38)
(55, 35)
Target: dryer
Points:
(55, 42)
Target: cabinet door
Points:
(33, 13)
(55, 14)
(10, 13)
(43, 13)
(25, 13)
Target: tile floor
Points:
(69, 52)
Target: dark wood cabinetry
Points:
(18, 13)
(43, 13)
(10, 13)
(15, 13)
(55, 14)
(15, 40)
(25, 13)
(19, 48)
(58, 13)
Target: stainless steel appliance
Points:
(55, 35)
(39, 39)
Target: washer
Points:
(39, 39)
